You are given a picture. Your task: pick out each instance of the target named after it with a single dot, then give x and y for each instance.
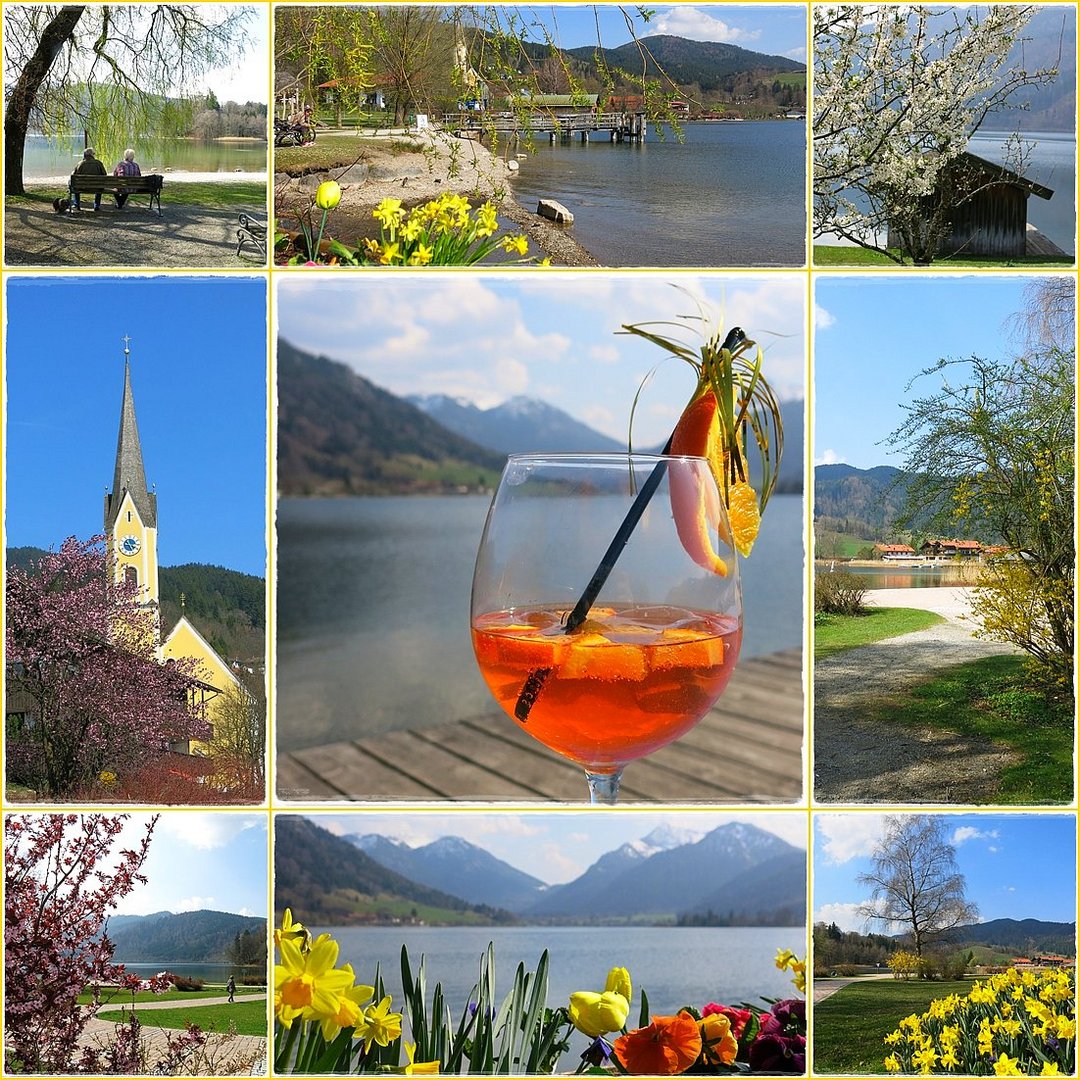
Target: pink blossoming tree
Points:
(81, 660)
(61, 881)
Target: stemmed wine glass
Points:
(606, 605)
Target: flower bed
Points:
(1017, 1023)
(326, 1022)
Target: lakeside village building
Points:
(131, 542)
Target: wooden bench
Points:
(251, 232)
(117, 185)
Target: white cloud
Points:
(843, 837)
(604, 354)
(828, 457)
(207, 831)
(693, 23)
(798, 54)
(964, 833)
(196, 903)
(823, 320)
(844, 915)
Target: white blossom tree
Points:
(898, 93)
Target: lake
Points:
(900, 577)
(373, 611)
(676, 966)
(730, 194)
(1052, 164)
(47, 157)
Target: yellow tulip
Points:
(596, 1014)
(328, 195)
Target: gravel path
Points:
(856, 760)
(223, 1055)
(191, 237)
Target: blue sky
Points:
(215, 860)
(555, 847)
(198, 358)
(874, 334)
(550, 336)
(1016, 866)
(248, 78)
(776, 29)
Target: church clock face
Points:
(130, 545)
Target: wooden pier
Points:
(748, 748)
(562, 127)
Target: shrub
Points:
(845, 971)
(252, 980)
(186, 983)
(839, 593)
(903, 964)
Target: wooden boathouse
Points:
(989, 215)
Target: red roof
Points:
(895, 549)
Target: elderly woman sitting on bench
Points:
(128, 167)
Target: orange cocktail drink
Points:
(626, 682)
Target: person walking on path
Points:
(231, 987)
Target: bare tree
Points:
(915, 881)
(239, 744)
(113, 71)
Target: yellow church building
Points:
(131, 523)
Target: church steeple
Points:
(129, 474)
(131, 508)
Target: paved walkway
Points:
(191, 237)
(223, 1055)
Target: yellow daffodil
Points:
(388, 213)
(892, 1063)
(378, 1025)
(1050, 1068)
(1007, 1066)
(412, 229)
(291, 931)
(1065, 1027)
(516, 244)
(349, 1009)
(598, 1014)
(310, 980)
(388, 253)
(422, 255)
(486, 221)
(419, 1068)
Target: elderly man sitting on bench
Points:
(89, 166)
(128, 167)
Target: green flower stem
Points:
(314, 255)
(283, 1048)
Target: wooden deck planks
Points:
(748, 748)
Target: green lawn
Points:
(227, 194)
(990, 699)
(834, 255)
(248, 1017)
(120, 997)
(835, 633)
(850, 1026)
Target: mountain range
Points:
(166, 937)
(735, 874)
(708, 74)
(340, 434)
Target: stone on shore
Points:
(555, 211)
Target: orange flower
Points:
(669, 1045)
(717, 1041)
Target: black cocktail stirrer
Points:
(538, 676)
